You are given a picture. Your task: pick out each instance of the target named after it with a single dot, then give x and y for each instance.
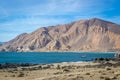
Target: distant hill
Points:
(1, 43)
(83, 35)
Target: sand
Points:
(65, 71)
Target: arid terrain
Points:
(83, 35)
(109, 70)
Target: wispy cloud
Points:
(17, 16)
(31, 23)
(115, 19)
(55, 7)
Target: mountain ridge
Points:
(82, 35)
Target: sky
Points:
(20, 16)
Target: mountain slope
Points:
(83, 35)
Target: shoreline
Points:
(64, 52)
(15, 65)
(64, 71)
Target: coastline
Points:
(64, 71)
(50, 57)
(63, 52)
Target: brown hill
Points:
(83, 35)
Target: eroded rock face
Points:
(84, 35)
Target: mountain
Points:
(83, 35)
(1, 43)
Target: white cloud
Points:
(26, 25)
(29, 24)
(115, 19)
(55, 7)
(48, 12)
(6, 36)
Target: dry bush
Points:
(21, 74)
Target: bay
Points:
(50, 57)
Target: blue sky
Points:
(19, 16)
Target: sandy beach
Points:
(65, 71)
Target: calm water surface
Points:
(50, 57)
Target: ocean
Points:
(50, 57)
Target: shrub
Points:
(107, 78)
(87, 73)
(108, 68)
(5, 75)
(101, 77)
(12, 75)
(114, 77)
(21, 74)
(66, 70)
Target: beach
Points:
(105, 70)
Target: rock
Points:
(83, 35)
(47, 66)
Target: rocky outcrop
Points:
(83, 35)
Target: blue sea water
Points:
(50, 57)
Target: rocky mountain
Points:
(83, 35)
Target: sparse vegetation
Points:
(108, 68)
(114, 77)
(21, 74)
(66, 70)
(101, 77)
(87, 73)
(5, 75)
(13, 75)
(103, 73)
(117, 74)
(107, 78)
